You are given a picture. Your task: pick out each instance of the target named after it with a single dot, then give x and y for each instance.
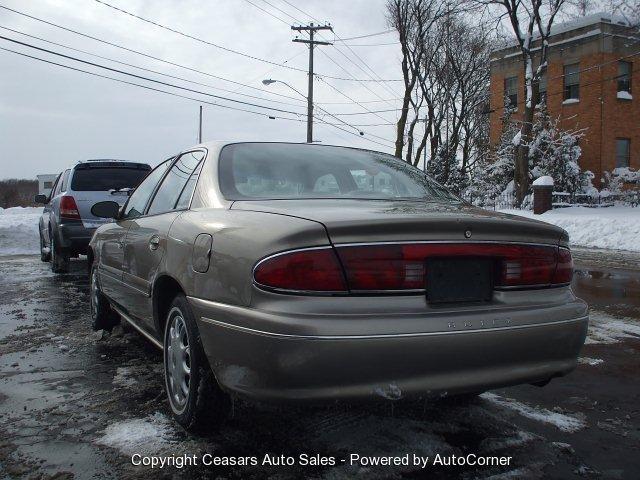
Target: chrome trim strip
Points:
(383, 335)
(144, 333)
(407, 242)
(120, 280)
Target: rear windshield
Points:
(291, 171)
(95, 179)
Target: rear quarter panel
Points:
(240, 239)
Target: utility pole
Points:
(311, 29)
(200, 127)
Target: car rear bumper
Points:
(273, 363)
(74, 236)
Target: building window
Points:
(542, 90)
(624, 77)
(623, 152)
(48, 185)
(572, 82)
(511, 91)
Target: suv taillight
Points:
(403, 267)
(68, 207)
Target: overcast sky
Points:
(51, 117)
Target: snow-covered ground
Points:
(612, 227)
(19, 230)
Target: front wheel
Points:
(194, 395)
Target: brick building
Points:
(592, 77)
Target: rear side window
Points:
(139, 198)
(65, 181)
(175, 182)
(97, 179)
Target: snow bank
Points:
(564, 422)
(19, 230)
(606, 329)
(140, 435)
(612, 227)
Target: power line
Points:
(267, 12)
(146, 87)
(168, 62)
(141, 77)
(364, 36)
(348, 59)
(221, 47)
(146, 69)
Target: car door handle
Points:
(154, 242)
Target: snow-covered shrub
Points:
(493, 173)
(615, 180)
(445, 169)
(555, 152)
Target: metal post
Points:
(310, 91)
(311, 28)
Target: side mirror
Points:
(40, 198)
(106, 209)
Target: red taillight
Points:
(403, 267)
(68, 207)
(564, 270)
(315, 270)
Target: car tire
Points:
(44, 256)
(196, 400)
(59, 257)
(103, 317)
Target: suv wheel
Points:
(59, 257)
(44, 256)
(194, 395)
(102, 315)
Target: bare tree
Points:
(412, 19)
(445, 64)
(531, 22)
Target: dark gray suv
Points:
(67, 224)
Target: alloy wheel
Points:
(95, 292)
(178, 360)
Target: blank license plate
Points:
(459, 280)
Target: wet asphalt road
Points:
(78, 404)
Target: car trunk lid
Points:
(370, 221)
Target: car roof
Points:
(99, 162)
(217, 145)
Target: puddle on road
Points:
(616, 291)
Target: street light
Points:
(269, 81)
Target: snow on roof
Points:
(575, 24)
(544, 181)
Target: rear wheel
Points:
(45, 256)
(59, 257)
(194, 395)
(102, 315)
